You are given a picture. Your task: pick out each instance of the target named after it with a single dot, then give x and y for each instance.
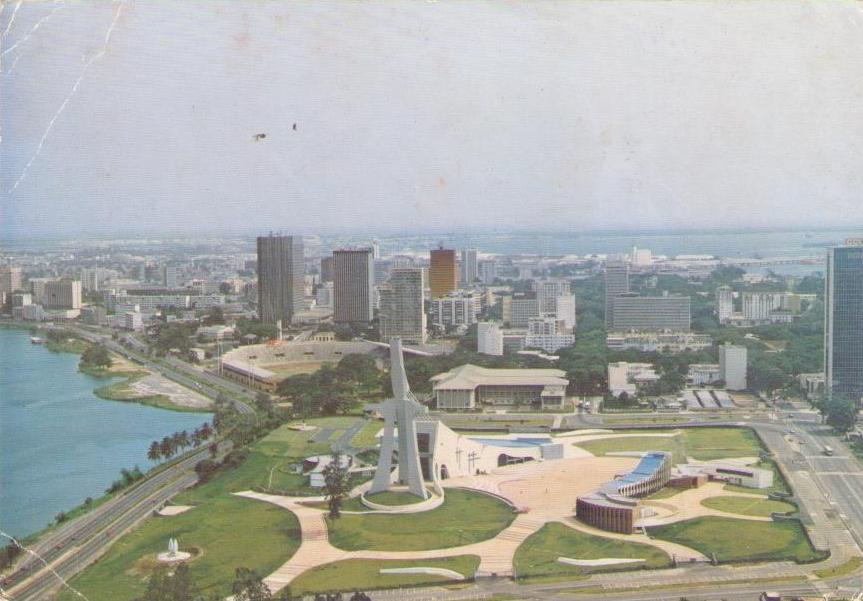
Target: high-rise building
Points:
(62, 294)
(324, 295)
(564, 311)
(843, 321)
(90, 279)
(382, 271)
(616, 283)
(520, 308)
(631, 312)
(487, 271)
(469, 266)
(641, 256)
(757, 306)
(327, 269)
(168, 271)
(281, 278)
(489, 338)
(376, 250)
(353, 285)
(10, 278)
(443, 275)
(548, 334)
(724, 304)
(732, 366)
(547, 292)
(402, 306)
(37, 287)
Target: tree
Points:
(166, 447)
(96, 355)
(214, 449)
(164, 586)
(248, 586)
(61, 517)
(337, 481)
(154, 453)
(839, 412)
(205, 470)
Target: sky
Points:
(415, 116)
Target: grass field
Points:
(364, 574)
(366, 438)
(465, 517)
(226, 533)
(748, 506)
(393, 498)
(230, 531)
(849, 567)
(732, 540)
(537, 556)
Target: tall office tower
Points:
(645, 313)
(281, 278)
(843, 320)
(168, 274)
(62, 294)
(522, 308)
(91, 279)
(732, 366)
(402, 306)
(616, 283)
(10, 278)
(487, 271)
(37, 288)
(382, 271)
(469, 267)
(327, 269)
(353, 285)
(376, 250)
(724, 304)
(443, 275)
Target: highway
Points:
(75, 545)
(176, 370)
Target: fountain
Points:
(173, 554)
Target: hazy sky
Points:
(429, 115)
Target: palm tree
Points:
(166, 448)
(206, 431)
(154, 453)
(183, 439)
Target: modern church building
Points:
(843, 320)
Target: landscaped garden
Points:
(757, 507)
(733, 540)
(364, 574)
(537, 556)
(225, 530)
(464, 517)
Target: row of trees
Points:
(164, 585)
(127, 478)
(179, 442)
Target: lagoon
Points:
(59, 443)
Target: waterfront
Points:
(59, 443)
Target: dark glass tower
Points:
(281, 278)
(843, 320)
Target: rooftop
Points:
(469, 376)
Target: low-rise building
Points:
(629, 377)
(702, 374)
(663, 342)
(470, 386)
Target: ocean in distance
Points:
(59, 443)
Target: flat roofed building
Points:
(454, 310)
(469, 266)
(732, 366)
(62, 294)
(650, 313)
(353, 285)
(843, 321)
(443, 272)
(629, 377)
(402, 306)
(10, 278)
(489, 338)
(469, 386)
(669, 342)
(281, 278)
(616, 283)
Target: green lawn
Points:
(231, 531)
(537, 556)
(733, 540)
(703, 444)
(394, 498)
(748, 505)
(465, 517)
(365, 438)
(227, 532)
(364, 574)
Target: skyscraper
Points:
(169, 276)
(327, 269)
(10, 278)
(443, 275)
(732, 366)
(402, 309)
(62, 294)
(281, 278)
(469, 267)
(724, 304)
(843, 320)
(353, 285)
(616, 283)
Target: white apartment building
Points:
(724, 304)
(757, 306)
(670, 342)
(133, 321)
(454, 310)
(489, 338)
(703, 374)
(732, 366)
